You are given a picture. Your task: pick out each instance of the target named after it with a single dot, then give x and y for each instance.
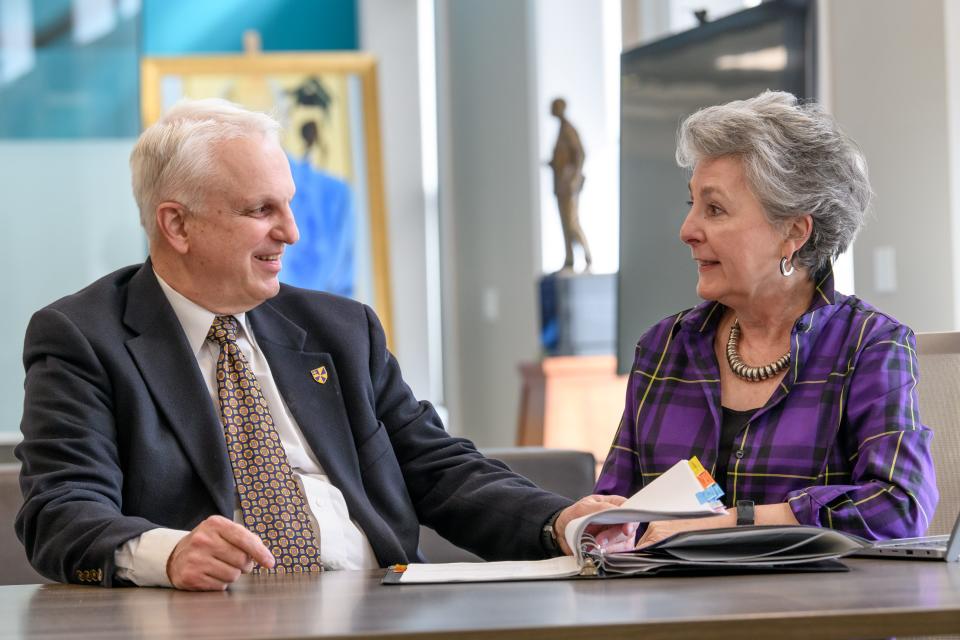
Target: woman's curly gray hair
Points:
(796, 160)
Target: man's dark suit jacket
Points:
(120, 434)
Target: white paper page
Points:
(562, 567)
(672, 495)
(674, 490)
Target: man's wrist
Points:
(143, 560)
(549, 539)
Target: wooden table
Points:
(877, 598)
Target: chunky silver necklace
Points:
(741, 369)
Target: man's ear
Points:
(172, 225)
(798, 232)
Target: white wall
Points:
(951, 24)
(389, 30)
(888, 88)
(489, 196)
(59, 199)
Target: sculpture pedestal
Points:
(571, 402)
(578, 314)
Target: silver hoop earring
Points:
(783, 267)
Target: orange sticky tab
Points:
(705, 479)
(695, 465)
(398, 568)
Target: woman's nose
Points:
(689, 230)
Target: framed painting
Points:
(327, 105)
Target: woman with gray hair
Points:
(800, 400)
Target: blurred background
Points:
(464, 92)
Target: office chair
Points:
(569, 473)
(939, 389)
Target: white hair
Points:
(174, 157)
(797, 161)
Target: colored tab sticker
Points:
(705, 479)
(695, 466)
(713, 493)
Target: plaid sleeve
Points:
(621, 474)
(892, 492)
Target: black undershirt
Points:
(733, 422)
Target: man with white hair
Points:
(189, 419)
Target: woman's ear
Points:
(172, 225)
(798, 232)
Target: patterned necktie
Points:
(271, 499)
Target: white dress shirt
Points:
(143, 560)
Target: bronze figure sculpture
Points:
(567, 165)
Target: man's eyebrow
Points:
(248, 208)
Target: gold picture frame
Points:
(333, 99)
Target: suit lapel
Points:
(314, 399)
(170, 370)
(319, 410)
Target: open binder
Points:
(686, 490)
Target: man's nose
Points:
(287, 230)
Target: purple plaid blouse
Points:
(840, 439)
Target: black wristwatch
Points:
(548, 536)
(745, 513)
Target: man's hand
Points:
(612, 538)
(214, 554)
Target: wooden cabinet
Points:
(571, 402)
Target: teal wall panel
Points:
(92, 90)
(181, 27)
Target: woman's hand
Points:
(663, 529)
(779, 513)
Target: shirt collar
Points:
(707, 313)
(194, 319)
(823, 292)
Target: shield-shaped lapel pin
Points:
(319, 375)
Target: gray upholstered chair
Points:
(14, 568)
(569, 473)
(939, 388)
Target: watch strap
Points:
(745, 515)
(548, 537)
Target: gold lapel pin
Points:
(320, 375)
